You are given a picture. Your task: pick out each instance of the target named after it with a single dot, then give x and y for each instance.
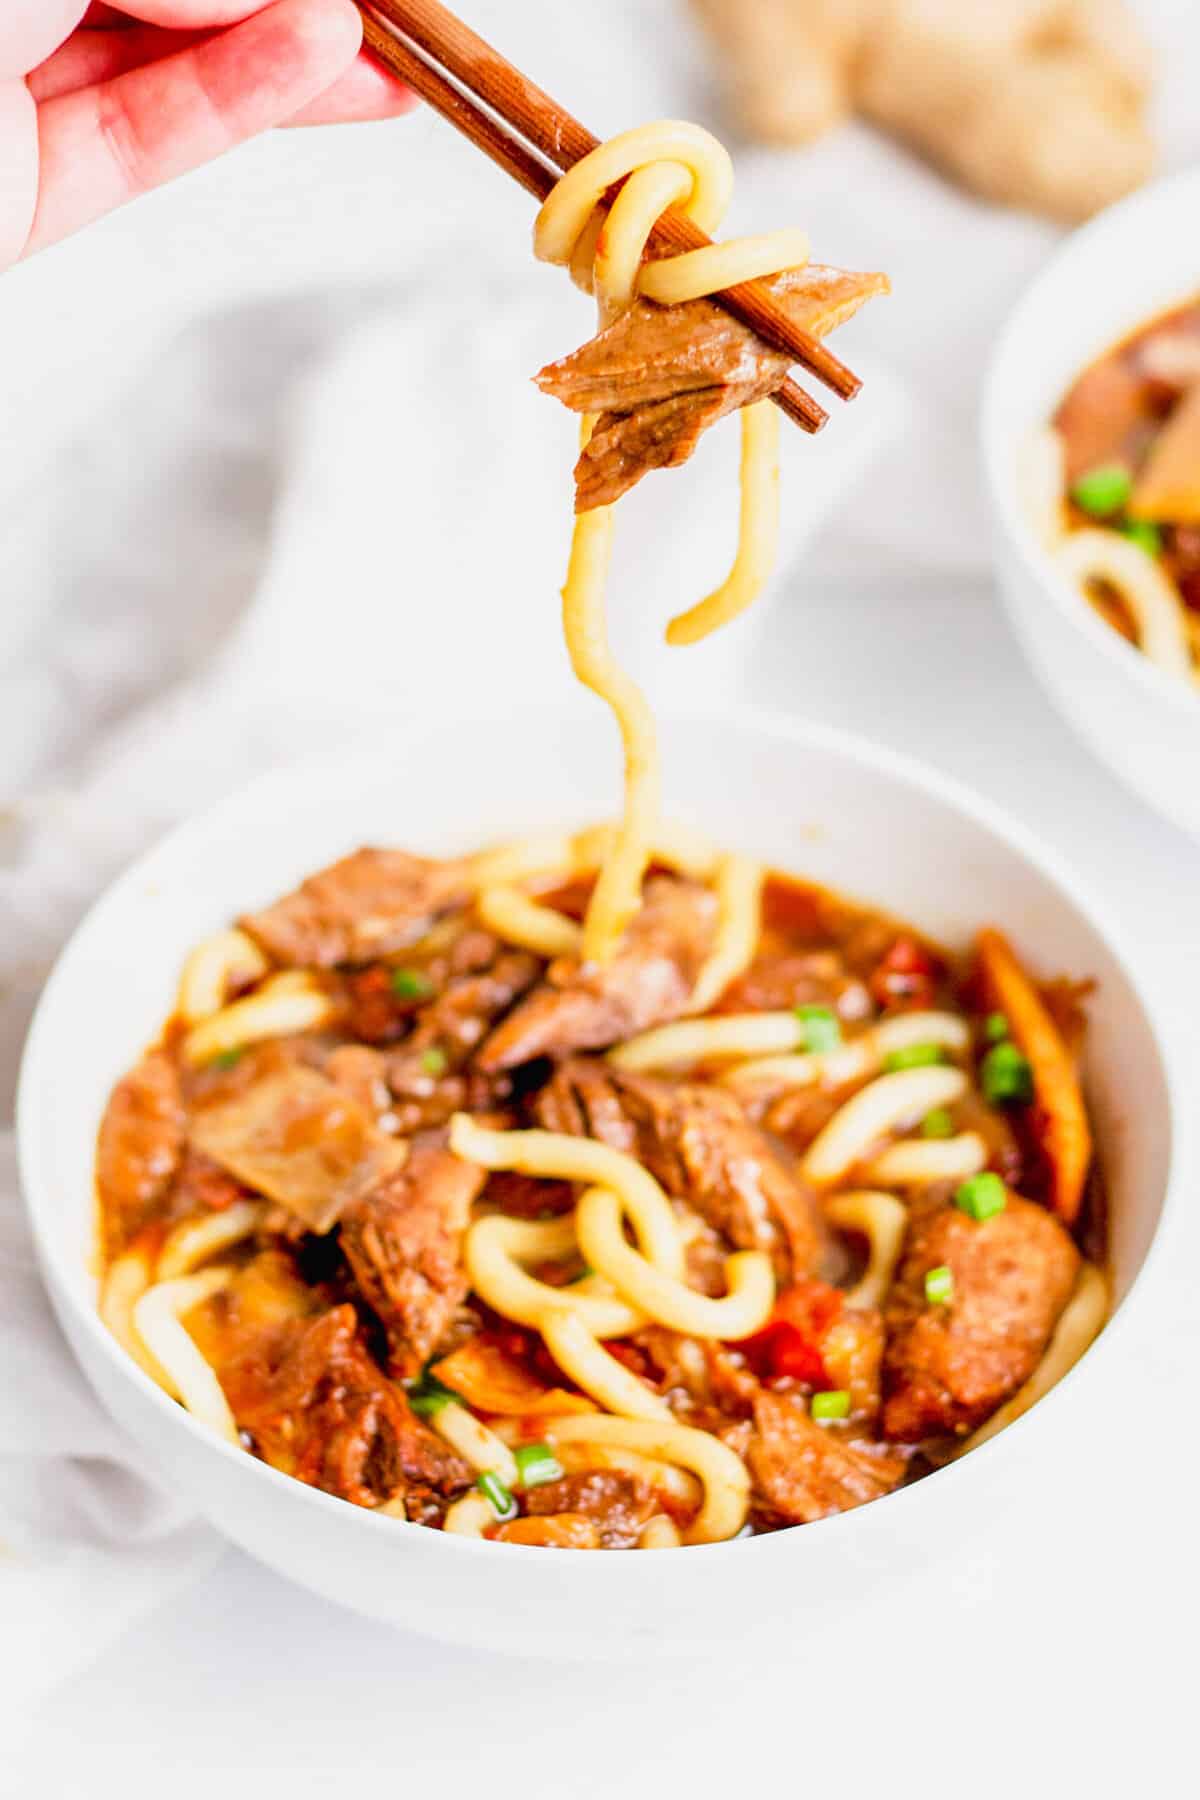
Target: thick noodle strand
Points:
(602, 239)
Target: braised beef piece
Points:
(202, 1185)
(300, 1140)
(361, 1071)
(647, 982)
(1109, 404)
(619, 1503)
(404, 1241)
(457, 977)
(661, 434)
(947, 1368)
(775, 982)
(804, 1471)
(139, 1148)
(705, 1383)
(1183, 562)
(316, 1406)
(697, 1141)
(368, 905)
(659, 376)
(484, 980)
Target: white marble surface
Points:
(152, 473)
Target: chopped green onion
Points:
(435, 1062)
(1103, 490)
(914, 1056)
(430, 1395)
(995, 1028)
(227, 1059)
(536, 1465)
(939, 1286)
(411, 984)
(981, 1196)
(822, 1031)
(834, 1403)
(1146, 536)
(1005, 1074)
(497, 1495)
(937, 1124)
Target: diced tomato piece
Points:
(904, 977)
(377, 1013)
(790, 1343)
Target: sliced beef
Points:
(316, 1406)
(660, 375)
(777, 981)
(302, 1141)
(202, 1185)
(618, 1503)
(705, 1383)
(1107, 407)
(370, 904)
(662, 434)
(361, 1071)
(404, 1241)
(139, 1147)
(947, 1368)
(648, 981)
(699, 1144)
(484, 981)
(804, 1471)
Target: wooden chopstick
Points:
(419, 41)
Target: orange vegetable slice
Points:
(553, 1531)
(1058, 1115)
(494, 1382)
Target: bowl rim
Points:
(1182, 188)
(872, 760)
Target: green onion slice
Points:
(1104, 490)
(430, 1395)
(496, 1494)
(981, 1196)
(434, 1062)
(995, 1028)
(1146, 536)
(834, 1403)
(411, 984)
(939, 1286)
(1005, 1075)
(227, 1059)
(536, 1465)
(914, 1056)
(937, 1124)
(822, 1032)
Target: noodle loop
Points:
(603, 241)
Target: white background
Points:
(154, 375)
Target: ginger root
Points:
(1035, 103)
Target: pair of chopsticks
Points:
(535, 140)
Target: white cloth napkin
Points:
(281, 506)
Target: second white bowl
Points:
(1127, 266)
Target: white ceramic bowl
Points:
(1131, 263)
(810, 801)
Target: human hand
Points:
(100, 104)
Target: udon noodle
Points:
(603, 243)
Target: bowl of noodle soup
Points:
(1134, 696)
(820, 806)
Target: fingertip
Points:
(331, 30)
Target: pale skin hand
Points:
(98, 104)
